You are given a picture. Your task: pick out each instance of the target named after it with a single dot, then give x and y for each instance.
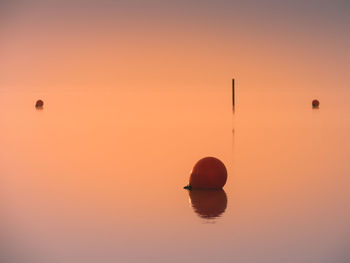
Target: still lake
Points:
(97, 177)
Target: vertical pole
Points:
(233, 93)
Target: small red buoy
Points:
(208, 173)
(39, 104)
(315, 103)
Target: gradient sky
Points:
(128, 45)
(80, 176)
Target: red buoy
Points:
(39, 104)
(208, 173)
(315, 103)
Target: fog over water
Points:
(167, 45)
(135, 93)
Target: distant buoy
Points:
(39, 104)
(208, 173)
(315, 104)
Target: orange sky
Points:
(132, 46)
(101, 173)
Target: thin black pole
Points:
(233, 92)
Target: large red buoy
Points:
(208, 173)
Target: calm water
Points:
(97, 177)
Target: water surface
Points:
(98, 177)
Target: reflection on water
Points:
(208, 204)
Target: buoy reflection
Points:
(208, 204)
